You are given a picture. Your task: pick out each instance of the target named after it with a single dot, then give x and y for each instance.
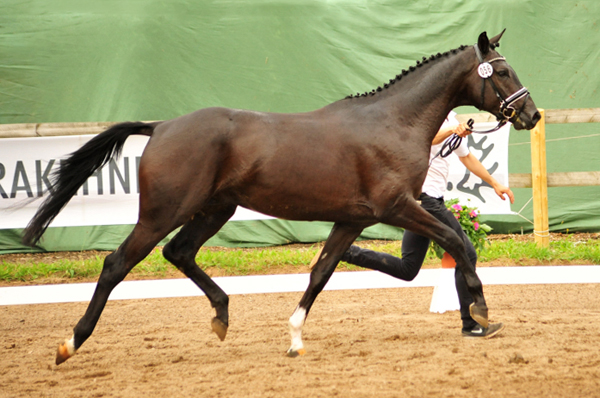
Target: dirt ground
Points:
(369, 343)
(366, 343)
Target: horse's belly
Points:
(307, 207)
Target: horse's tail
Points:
(76, 169)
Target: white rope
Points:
(542, 234)
(523, 208)
(556, 139)
(524, 218)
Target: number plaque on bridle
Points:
(485, 70)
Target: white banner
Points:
(492, 151)
(110, 197)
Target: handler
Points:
(414, 247)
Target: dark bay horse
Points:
(356, 162)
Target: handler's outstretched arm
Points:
(475, 167)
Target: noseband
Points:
(507, 112)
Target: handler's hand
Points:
(462, 130)
(501, 190)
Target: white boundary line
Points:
(75, 292)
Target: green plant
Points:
(468, 217)
(563, 250)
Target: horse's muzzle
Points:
(527, 120)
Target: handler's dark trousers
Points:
(414, 249)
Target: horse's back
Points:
(298, 165)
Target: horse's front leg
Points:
(416, 219)
(339, 240)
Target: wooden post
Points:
(540, 183)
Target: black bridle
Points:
(506, 114)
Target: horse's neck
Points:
(431, 91)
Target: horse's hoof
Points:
(219, 327)
(294, 353)
(62, 354)
(479, 314)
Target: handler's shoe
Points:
(481, 332)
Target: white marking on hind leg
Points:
(296, 322)
(70, 344)
(319, 256)
(65, 351)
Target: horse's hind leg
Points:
(339, 240)
(116, 266)
(419, 221)
(181, 252)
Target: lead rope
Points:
(451, 144)
(454, 141)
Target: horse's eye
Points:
(503, 73)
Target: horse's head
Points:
(497, 89)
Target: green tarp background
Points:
(82, 61)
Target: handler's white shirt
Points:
(437, 176)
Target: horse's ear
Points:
(496, 39)
(483, 43)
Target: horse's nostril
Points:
(536, 117)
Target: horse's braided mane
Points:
(404, 72)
